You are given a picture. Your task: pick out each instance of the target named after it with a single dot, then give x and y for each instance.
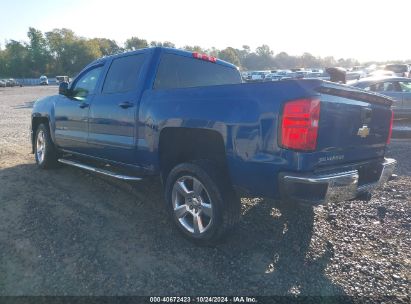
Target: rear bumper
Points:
(322, 189)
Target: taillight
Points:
(390, 130)
(299, 124)
(204, 57)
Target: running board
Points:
(98, 170)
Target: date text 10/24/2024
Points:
(239, 299)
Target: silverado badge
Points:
(363, 132)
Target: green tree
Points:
(59, 42)
(264, 51)
(107, 46)
(284, 61)
(39, 56)
(135, 43)
(81, 52)
(164, 44)
(229, 54)
(307, 60)
(3, 63)
(168, 44)
(71, 53)
(246, 49)
(194, 48)
(17, 59)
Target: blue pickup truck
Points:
(189, 119)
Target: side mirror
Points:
(63, 88)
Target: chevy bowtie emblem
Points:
(363, 132)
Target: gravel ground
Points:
(67, 232)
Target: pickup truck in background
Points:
(188, 118)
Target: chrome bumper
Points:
(335, 187)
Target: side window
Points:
(389, 86)
(86, 84)
(405, 86)
(123, 74)
(372, 88)
(379, 87)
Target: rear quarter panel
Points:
(245, 115)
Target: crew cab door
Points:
(71, 110)
(113, 111)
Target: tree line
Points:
(62, 52)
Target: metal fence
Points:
(34, 81)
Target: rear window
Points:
(183, 72)
(397, 68)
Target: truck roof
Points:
(163, 49)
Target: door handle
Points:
(125, 104)
(84, 105)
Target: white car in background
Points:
(258, 75)
(44, 80)
(318, 75)
(272, 77)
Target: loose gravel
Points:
(67, 232)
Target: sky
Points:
(362, 29)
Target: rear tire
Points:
(45, 152)
(201, 201)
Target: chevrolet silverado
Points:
(188, 118)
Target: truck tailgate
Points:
(354, 125)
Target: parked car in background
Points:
(272, 77)
(60, 79)
(14, 83)
(316, 70)
(8, 83)
(398, 88)
(244, 75)
(352, 76)
(284, 73)
(44, 80)
(355, 74)
(297, 70)
(318, 75)
(3, 83)
(381, 73)
(400, 70)
(258, 76)
(301, 74)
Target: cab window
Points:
(123, 74)
(87, 83)
(405, 86)
(388, 86)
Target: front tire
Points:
(201, 201)
(44, 150)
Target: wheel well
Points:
(180, 145)
(34, 125)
